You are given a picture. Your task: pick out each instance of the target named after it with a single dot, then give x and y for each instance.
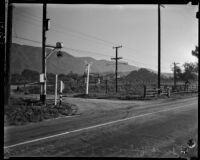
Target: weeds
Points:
(22, 111)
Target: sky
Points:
(90, 30)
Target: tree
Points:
(189, 71)
(30, 75)
(17, 78)
(196, 52)
(179, 74)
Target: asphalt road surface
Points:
(110, 128)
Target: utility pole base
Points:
(43, 98)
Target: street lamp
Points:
(59, 46)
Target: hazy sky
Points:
(92, 30)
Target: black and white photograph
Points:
(100, 80)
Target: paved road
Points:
(109, 128)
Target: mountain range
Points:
(29, 57)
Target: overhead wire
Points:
(22, 38)
(86, 51)
(68, 48)
(94, 37)
(72, 30)
(72, 33)
(79, 50)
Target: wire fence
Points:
(108, 87)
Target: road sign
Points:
(42, 78)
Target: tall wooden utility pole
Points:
(44, 28)
(7, 53)
(158, 47)
(175, 75)
(116, 64)
(197, 16)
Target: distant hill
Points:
(29, 57)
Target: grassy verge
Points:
(22, 111)
(133, 97)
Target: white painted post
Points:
(56, 89)
(61, 89)
(88, 75)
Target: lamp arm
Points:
(50, 54)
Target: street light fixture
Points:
(59, 46)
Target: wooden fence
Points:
(150, 91)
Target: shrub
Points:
(24, 111)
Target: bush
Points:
(24, 111)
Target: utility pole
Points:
(7, 54)
(116, 64)
(158, 48)
(175, 75)
(44, 28)
(106, 86)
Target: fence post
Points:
(106, 86)
(145, 91)
(168, 91)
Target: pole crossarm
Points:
(116, 63)
(117, 58)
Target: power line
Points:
(138, 62)
(29, 16)
(27, 39)
(70, 30)
(80, 50)
(33, 15)
(28, 22)
(86, 35)
(77, 32)
(77, 50)
(79, 36)
(61, 32)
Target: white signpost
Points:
(88, 75)
(61, 90)
(56, 89)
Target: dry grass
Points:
(25, 110)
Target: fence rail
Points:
(144, 89)
(150, 91)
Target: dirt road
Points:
(110, 128)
